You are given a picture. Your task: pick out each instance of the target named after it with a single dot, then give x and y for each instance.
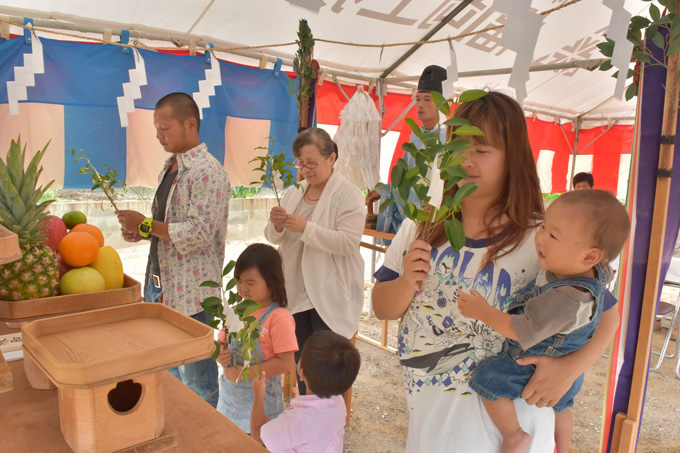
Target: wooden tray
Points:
(98, 347)
(9, 246)
(31, 309)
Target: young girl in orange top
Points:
(259, 275)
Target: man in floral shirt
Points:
(188, 228)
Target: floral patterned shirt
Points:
(196, 213)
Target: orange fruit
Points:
(91, 229)
(78, 249)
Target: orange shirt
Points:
(277, 334)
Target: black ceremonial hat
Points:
(431, 79)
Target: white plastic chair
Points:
(666, 311)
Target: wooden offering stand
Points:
(107, 365)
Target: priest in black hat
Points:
(430, 80)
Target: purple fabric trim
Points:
(650, 126)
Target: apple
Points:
(54, 230)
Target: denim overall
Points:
(500, 376)
(236, 398)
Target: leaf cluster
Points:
(446, 156)
(302, 64)
(244, 308)
(107, 180)
(275, 171)
(20, 193)
(651, 28)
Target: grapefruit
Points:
(81, 280)
(90, 229)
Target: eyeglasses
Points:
(308, 165)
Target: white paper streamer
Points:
(358, 140)
(206, 88)
(231, 320)
(131, 91)
(311, 5)
(519, 34)
(277, 182)
(436, 190)
(623, 48)
(451, 73)
(24, 76)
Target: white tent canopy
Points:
(569, 33)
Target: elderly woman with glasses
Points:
(318, 229)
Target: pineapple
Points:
(36, 274)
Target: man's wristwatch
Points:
(145, 227)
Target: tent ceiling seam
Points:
(200, 17)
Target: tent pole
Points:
(589, 65)
(628, 424)
(427, 36)
(574, 151)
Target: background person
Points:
(318, 229)
(583, 180)
(188, 227)
(430, 80)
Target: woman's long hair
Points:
(504, 125)
(267, 261)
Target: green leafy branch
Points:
(275, 171)
(437, 167)
(244, 308)
(107, 182)
(304, 68)
(669, 20)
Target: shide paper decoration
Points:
(451, 73)
(206, 88)
(519, 34)
(131, 90)
(24, 76)
(623, 48)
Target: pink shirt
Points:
(310, 425)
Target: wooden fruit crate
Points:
(31, 309)
(107, 366)
(9, 246)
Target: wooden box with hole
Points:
(107, 365)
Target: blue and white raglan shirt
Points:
(439, 347)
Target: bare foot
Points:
(516, 442)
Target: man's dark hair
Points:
(182, 105)
(330, 363)
(583, 177)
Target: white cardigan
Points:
(332, 267)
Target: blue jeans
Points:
(501, 376)
(201, 376)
